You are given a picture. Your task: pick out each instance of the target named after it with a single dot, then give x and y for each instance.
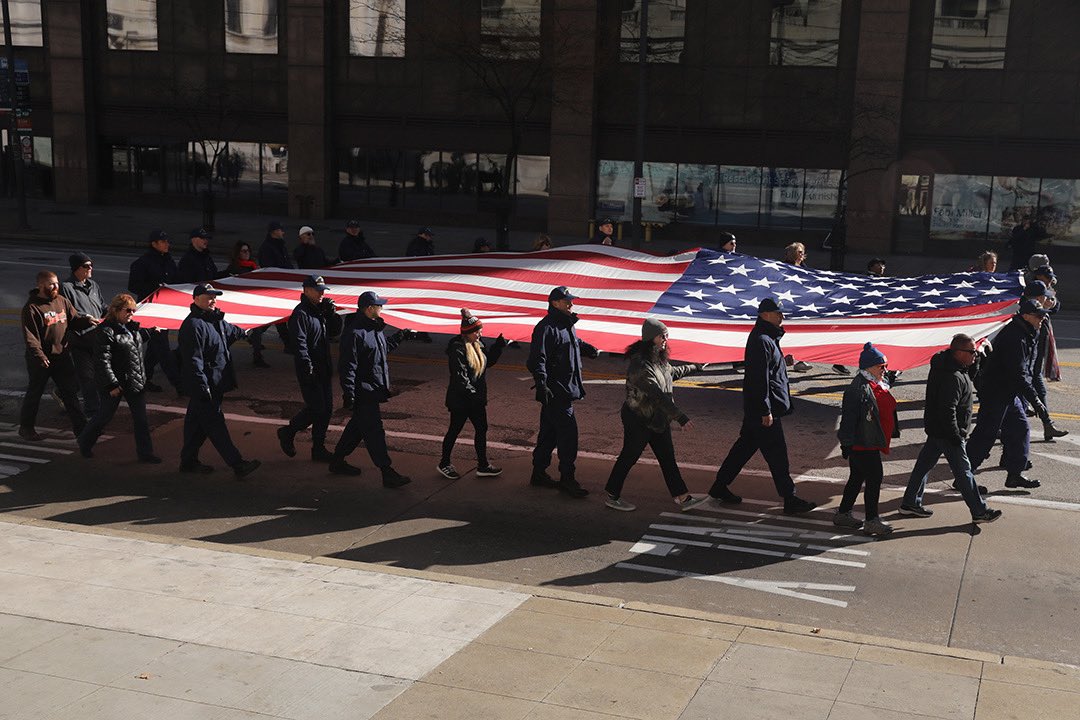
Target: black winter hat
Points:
(78, 259)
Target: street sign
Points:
(22, 84)
(639, 187)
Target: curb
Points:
(824, 634)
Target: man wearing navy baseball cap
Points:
(312, 323)
(365, 382)
(555, 363)
(207, 373)
(766, 399)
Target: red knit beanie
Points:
(469, 322)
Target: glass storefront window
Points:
(914, 196)
(666, 28)
(698, 186)
(805, 32)
(781, 197)
(25, 23)
(1011, 200)
(131, 24)
(251, 26)
(614, 189)
(1059, 210)
(739, 195)
(510, 28)
(377, 28)
(961, 207)
(663, 201)
(970, 34)
(821, 198)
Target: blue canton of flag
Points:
(728, 287)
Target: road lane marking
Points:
(789, 589)
(760, 539)
(21, 458)
(770, 530)
(755, 551)
(38, 448)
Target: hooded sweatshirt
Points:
(45, 324)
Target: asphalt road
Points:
(1010, 588)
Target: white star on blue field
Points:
(729, 286)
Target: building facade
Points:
(935, 125)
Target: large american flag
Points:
(707, 299)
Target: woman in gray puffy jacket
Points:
(120, 373)
(647, 415)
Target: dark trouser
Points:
(957, 457)
(62, 372)
(753, 436)
(636, 435)
(1004, 416)
(365, 424)
(204, 420)
(158, 352)
(1038, 381)
(477, 415)
(283, 333)
(558, 429)
(144, 446)
(865, 466)
(84, 376)
(255, 340)
(318, 407)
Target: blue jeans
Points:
(144, 447)
(956, 456)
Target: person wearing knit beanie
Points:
(868, 423)
(466, 394)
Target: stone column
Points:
(874, 145)
(71, 142)
(310, 137)
(573, 143)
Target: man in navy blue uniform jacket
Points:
(766, 399)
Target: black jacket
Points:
(765, 384)
(118, 357)
(599, 238)
(310, 257)
(205, 360)
(311, 327)
(949, 395)
(1007, 372)
(466, 389)
(354, 248)
(365, 367)
(860, 417)
(197, 267)
(555, 355)
(150, 271)
(274, 253)
(419, 246)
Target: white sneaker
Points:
(619, 504)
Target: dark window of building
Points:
(666, 30)
(131, 24)
(510, 28)
(377, 28)
(251, 26)
(25, 23)
(805, 32)
(970, 34)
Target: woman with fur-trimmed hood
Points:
(466, 395)
(647, 415)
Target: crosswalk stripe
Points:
(20, 458)
(756, 551)
(743, 537)
(36, 448)
(772, 529)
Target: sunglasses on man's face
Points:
(87, 265)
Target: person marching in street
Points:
(197, 265)
(986, 262)
(555, 364)
(240, 262)
(647, 414)
(307, 254)
(466, 395)
(353, 246)
(727, 242)
(1039, 290)
(121, 375)
(795, 254)
(868, 424)
(85, 294)
(947, 421)
(766, 399)
(147, 273)
(1005, 381)
(312, 323)
(421, 245)
(207, 373)
(47, 321)
(365, 382)
(605, 232)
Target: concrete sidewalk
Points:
(108, 624)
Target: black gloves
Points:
(206, 394)
(327, 306)
(543, 392)
(347, 402)
(589, 351)
(845, 452)
(500, 342)
(1041, 411)
(402, 335)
